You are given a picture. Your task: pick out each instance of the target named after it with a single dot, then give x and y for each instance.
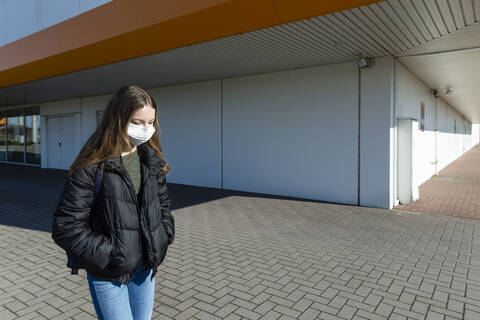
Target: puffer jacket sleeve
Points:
(167, 217)
(70, 226)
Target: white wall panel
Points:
(189, 117)
(376, 129)
(411, 93)
(295, 138)
(89, 107)
(475, 134)
(450, 141)
(451, 144)
(60, 107)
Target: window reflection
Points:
(20, 135)
(3, 136)
(32, 131)
(15, 135)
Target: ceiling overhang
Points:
(126, 29)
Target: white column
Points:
(377, 127)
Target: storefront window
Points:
(15, 135)
(32, 131)
(3, 136)
(20, 135)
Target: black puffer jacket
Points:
(107, 238)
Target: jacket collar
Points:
(147, 157)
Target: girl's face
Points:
(144, 116)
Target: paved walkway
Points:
(455, 191)
(243, 256)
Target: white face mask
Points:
(138, 134)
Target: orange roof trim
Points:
(125, 29)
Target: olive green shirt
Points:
(131, 162)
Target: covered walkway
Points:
(455, 191)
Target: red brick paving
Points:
(455, 191)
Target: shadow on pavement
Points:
(29, 195)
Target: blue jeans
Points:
(115, 300)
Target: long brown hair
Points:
(110, 138)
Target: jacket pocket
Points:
(125, 257)
(160, 244)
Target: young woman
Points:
(122, 237)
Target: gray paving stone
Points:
(396, 316)
(324, 308)
(432, 315)
(264, 307)
(372, 299)
(247, 313)
(206, 307)
(7, 315)
(309, 314)
(420, 307)
(244, 304)
(184, 315)
(384, 309)
(287, 311)
(408, 313)
(271, 315)
(368, 315)
(347, 312)
(255, 257)
(472, 315)
(233, 316)
(202, 315)
(337, 302)
(455, 305)
(327, 316)
(302, 305)
(406, 297)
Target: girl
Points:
(122, 237)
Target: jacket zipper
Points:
(127, 179)
(144, 206)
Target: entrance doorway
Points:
(60, 141)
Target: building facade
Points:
(313, 107)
